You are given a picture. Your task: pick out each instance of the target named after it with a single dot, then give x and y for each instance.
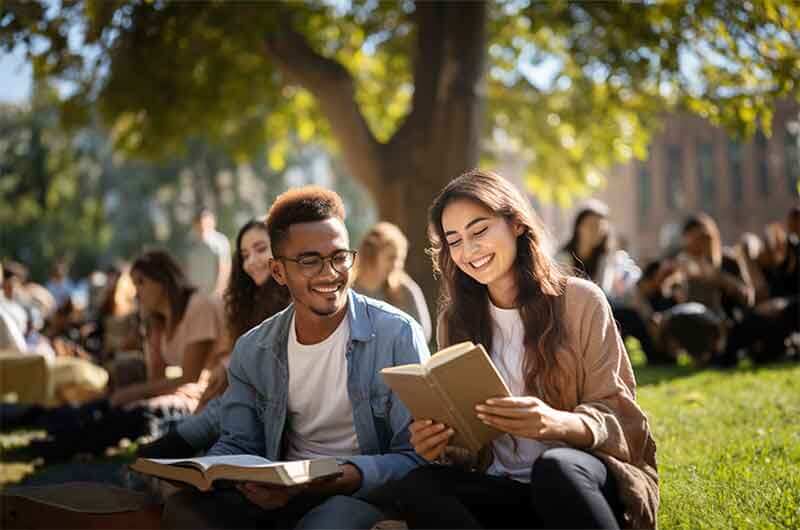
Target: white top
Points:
(508, 334)
(11, 337)
(320, 411)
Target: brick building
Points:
(694, 166)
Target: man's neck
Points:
(313, 329)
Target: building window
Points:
(762, 163)
(792, 151)
(674, 180)
(705, 176)
(645, 191)
(735, 161)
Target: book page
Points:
(287, 473)
(206, 462)
(408, 369)
(445, 355)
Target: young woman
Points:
(185, 328)
(251, 297)
(380, 273)
(591, 252)
(577, 450)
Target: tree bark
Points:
(440, 137)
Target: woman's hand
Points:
(429, 439)
(530, 417)
(217, 384)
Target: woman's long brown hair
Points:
(464, 302)
(160, 267)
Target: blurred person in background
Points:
(380, 273)
(12, 337)
(718, 293)
(184, 328)
(208, 258)
(591, 253)
(117, 315)
(59, 284)
(13, 279)
(252, 296)
(765, 331)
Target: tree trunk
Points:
(440, 137)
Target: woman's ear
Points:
(518, 229)
(278, 272)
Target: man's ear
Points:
(278, 271)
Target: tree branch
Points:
(334, 89)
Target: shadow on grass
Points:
(19, 466)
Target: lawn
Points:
(728, 446)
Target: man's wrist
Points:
(351, 478)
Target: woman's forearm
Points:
(148, 389)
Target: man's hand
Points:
(269, 497)
(347, 483)
(530, 417)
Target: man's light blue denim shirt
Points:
(254, 407)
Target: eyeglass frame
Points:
(322, 260)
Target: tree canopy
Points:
(577, 86)
(410, 94)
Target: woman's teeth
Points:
(481, 262)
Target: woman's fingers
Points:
(502, 412)
(431, 440)
(427, 432)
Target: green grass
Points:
(728, 445)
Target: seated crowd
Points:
(279, 356)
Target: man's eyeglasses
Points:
(311, 265)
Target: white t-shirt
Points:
(320, 411)
(508, 334)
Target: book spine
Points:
(459, 424)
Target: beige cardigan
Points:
(601, 388)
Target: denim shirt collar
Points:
(361, 326)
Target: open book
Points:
(201, 472)
(446, 388)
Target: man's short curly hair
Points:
(306, 204)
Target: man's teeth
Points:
(331, 289)
(481, 262)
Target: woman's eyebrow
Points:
(476, 220)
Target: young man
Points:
(208, 258)
(305, 384)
